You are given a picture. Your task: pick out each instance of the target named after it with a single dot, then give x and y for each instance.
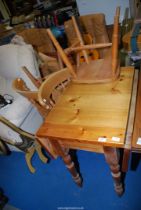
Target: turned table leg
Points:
(112, 159)
(125, 161)
(68, 162)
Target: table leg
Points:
(125, 161)
(68, 162)
(112, 159)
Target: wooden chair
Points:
(20, 87)
(36, 81)
(50, 91)
(46, 51)
(49, 64)
(52, 87)
(29, 144)
(98, 71)
(39, 39)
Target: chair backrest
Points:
(52, 87)
(20, 87)
(39, 39)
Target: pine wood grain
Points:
(86, 112)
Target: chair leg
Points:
(3, 148)
(38, 148)
(28, 156)
(29, 144)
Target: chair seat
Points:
(97, 71)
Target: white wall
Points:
(102, 6)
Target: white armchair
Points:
(20, 112)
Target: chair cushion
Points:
(13, 57)
(6, 87)
(8, 134)
(17, 111)
(30, 124)
(18, 56)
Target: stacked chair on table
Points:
(94, 58)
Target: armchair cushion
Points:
(17, 111)
(12, 58)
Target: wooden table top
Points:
(95, 113)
